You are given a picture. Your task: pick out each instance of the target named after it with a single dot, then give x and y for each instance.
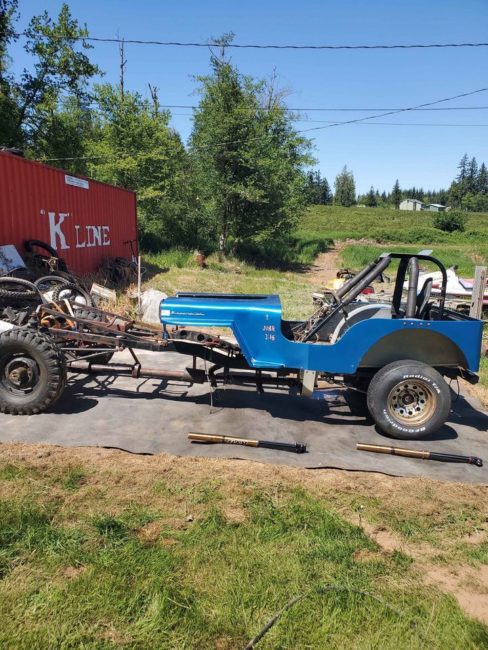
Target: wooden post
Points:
(123, 63)
(479, 288)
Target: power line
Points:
(300, 119)
(315, 128)
(397, 123)
(443, 108)
(396, 111)
(318, 109)
(262, 46)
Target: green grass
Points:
(232, 275)
(74, 479)
(397, 231)
(93, 573)
(484, 371)
(388, 225)
(355, 256)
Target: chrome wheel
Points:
(412, 402)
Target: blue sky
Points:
(418, 155)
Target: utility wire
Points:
(300, 119)
(396, 123)
(330, 110)
(260, 46)
(396, 111)
(443, 108)
(317, 128)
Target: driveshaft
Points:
(426, 455)
(208, 438)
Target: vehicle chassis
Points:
(344, 341)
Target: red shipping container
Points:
(84, 220)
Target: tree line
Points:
(245, 175)
(468, 191)
(240, 178)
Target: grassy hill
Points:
(379, 229)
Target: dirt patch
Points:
(234, 514)
(72, 572)
(326, 266)
(476, 537)
(468, 585)
(150, 532)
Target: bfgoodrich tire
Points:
(408, 400)
(32, 372)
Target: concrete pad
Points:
(150, 416)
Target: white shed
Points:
(436, 207)
(411, 204)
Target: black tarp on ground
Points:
(152, 416)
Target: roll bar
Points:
(408, 262)
(405, 261)
(355, 285)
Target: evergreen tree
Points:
(483, 179)
(371, 199)
(463, 168)
(345, 188)
(470, 187)
(318, 189)
(396, 194)
(247, 157)
(326, 193)
(472, 177)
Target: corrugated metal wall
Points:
(85, 221)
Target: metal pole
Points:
(479, 287)
(138, 286)
(416, 453)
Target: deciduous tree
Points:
(133, 146)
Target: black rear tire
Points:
(14, 290)
(32, 372)
(30, 244)
(409, 400)
(50, 282)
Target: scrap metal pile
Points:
(36, 279)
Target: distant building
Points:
(411, 204)
(415, 205)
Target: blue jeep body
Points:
(396, 353)
(256, 322)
